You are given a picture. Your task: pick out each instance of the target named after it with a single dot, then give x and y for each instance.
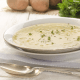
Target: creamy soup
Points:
(48, 36)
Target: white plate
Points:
(53, 55)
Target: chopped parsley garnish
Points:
(49, 38)
(60, 38)
(30, 33)
(63, 30)
(40, 31)
(78, 39)
(57, 32)
(52, 32)
(43, 35)
(72, 27)
(52, 43)
(69, 9)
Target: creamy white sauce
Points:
(48, 36)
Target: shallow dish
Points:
(41, 53)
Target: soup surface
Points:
(48, 36)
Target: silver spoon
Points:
(34, 71)
(18, 70)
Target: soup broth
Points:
(48, 36)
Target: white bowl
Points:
(53, 55)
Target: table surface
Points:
(8, 18)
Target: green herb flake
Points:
(52, 43)
(63, 30)
(30, 33)
(40, 31)
(78, 39)
(57, 32)
(49, 38)
(60, 38)
(52, 32)
(72, 27)
(43, 35)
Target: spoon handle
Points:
(70, 71)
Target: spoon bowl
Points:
(20, 70)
